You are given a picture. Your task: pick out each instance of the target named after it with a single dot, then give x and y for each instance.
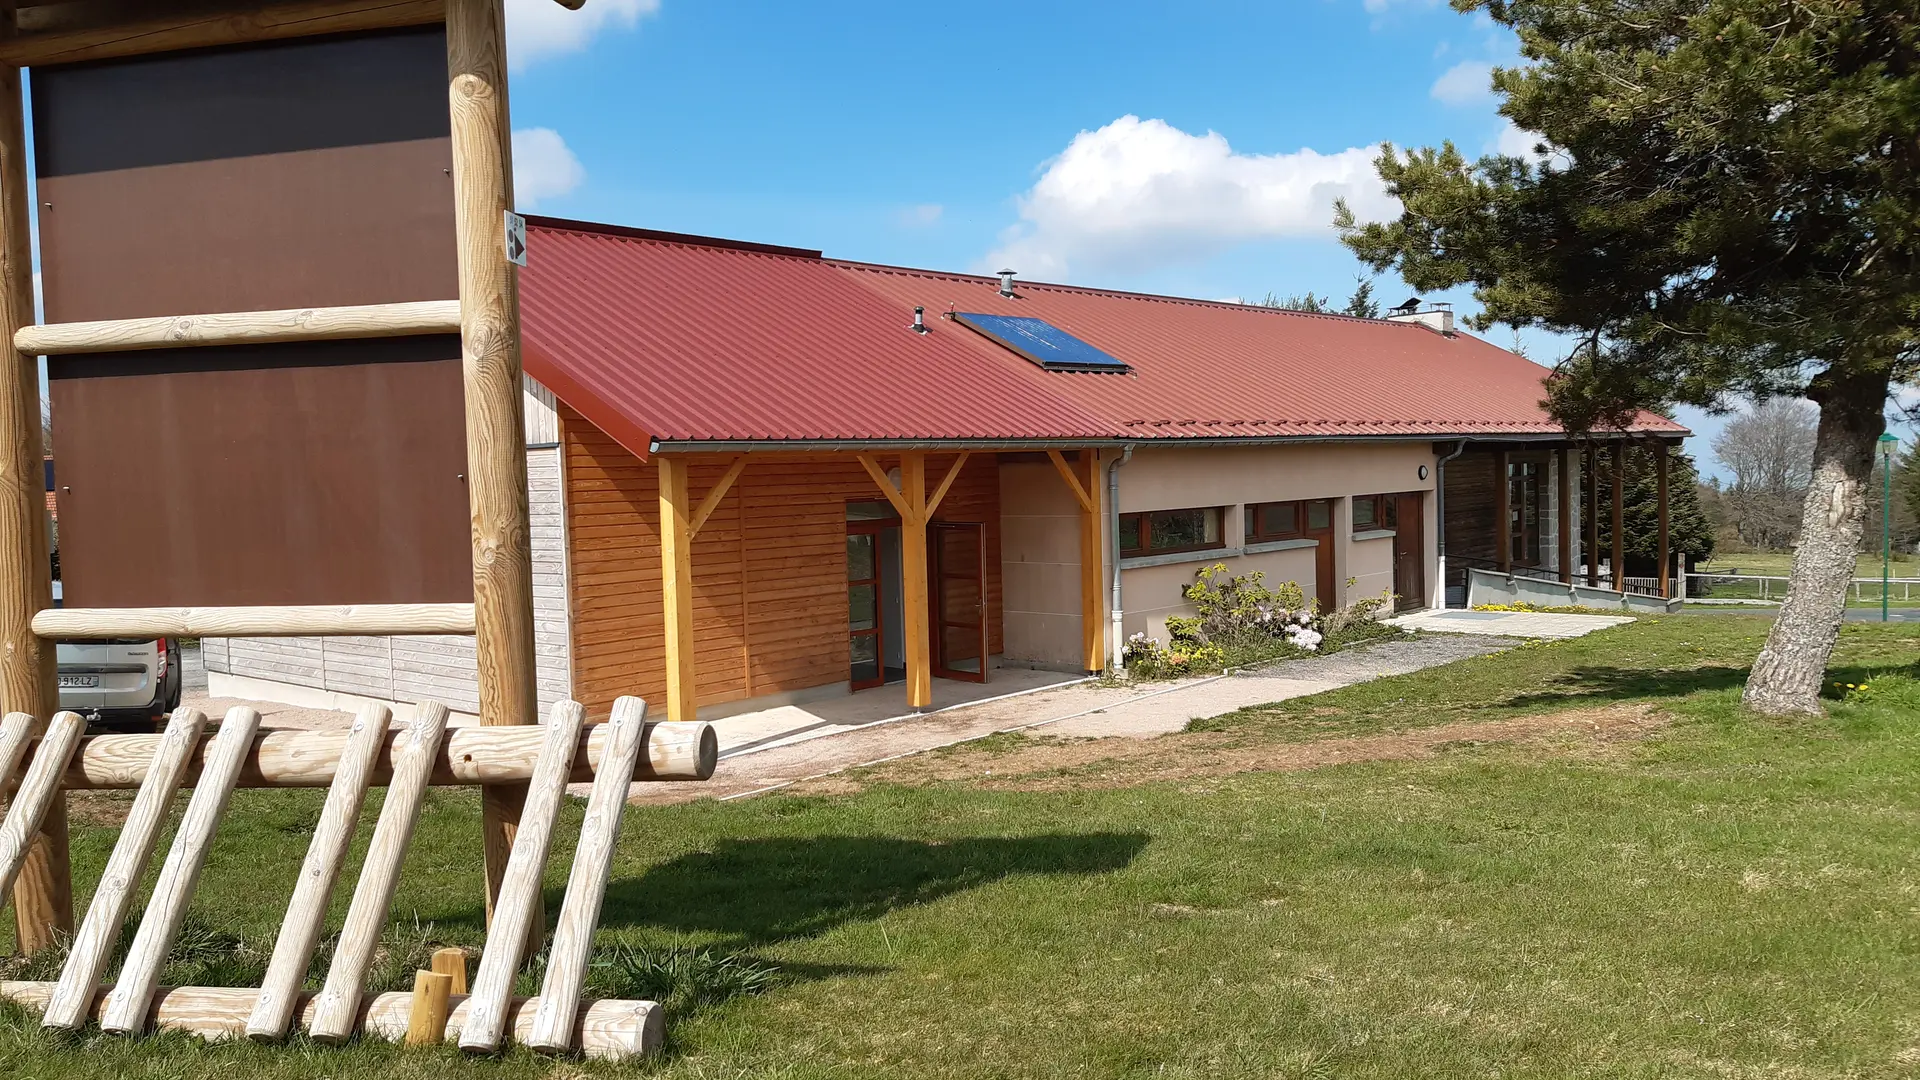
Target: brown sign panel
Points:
(309, 473)
(282, 175)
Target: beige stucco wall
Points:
(1166, 478)
(1369, 568)
(1040, 566)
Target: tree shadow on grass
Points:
(1599, 685)
(760, 891)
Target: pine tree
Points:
(1724, 200)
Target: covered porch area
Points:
(755, 580)
(1551, 510)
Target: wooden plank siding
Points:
(769, 567)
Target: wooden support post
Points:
(313, 889)
(587, 884)
(1660, 480)
(609, 1029)
(676, 588)
(1502, 513)
(72, 999)
(1619, 516)
(338, 1005)
(452, 962)
(913, 561)
(488, 1009)
(490, 353)
(427, 1020)
(126, 1011)
(1592, 491)
(1563, 512)
(36, 796)
(1093, 609)
(43, 893)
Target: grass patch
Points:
(1732, 899)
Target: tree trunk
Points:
(1787, 674)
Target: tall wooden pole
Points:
(1563, 509)
(1592, 490)
(676, 586)
(1660, 478)
(914, 579)
(496, 441)
(1093, 621)
(43, 894)
(1619, 515)
(1502, 512)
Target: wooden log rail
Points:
(241, 328)
(608, 1029)
(467, 756)
(357, 620)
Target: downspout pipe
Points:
(1116, 650)
(1440, 522)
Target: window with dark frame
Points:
(1287, 520)
(1165, 532)
(1368, 512)
(1523, 511)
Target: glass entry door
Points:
(866, 648)
(958, 567)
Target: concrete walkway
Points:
(1080, 710)
(1513, 624)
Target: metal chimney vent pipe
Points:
(1006, 284)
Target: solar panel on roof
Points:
(1041, 342)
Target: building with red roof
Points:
(760, 475)
(781, 469)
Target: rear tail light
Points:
(160, 664)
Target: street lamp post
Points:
(1887, 442)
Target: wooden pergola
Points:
(681, 519)
(484, 314)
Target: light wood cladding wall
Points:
(769, 567)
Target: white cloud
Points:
(543, 166)
(537, 29)
(1465, 83)
(1141, 192)
(921, 216)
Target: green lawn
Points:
(1732, 898)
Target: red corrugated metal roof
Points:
(647, 334)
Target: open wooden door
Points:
(958, 565)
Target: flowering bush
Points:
(1238, 620)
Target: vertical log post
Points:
(1619, 515)
(913, 551)
(1502, 513)
(490, 353)
(1093, 628)
(676, 587)
(1660, 479)
(43, 894)
(1563, 513)
(1593, 518)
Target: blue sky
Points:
(1189, 148)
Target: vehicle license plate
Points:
(79, 682)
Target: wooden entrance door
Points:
(1404, 517)
(865, 633)
(957, 564)
(1317, 524)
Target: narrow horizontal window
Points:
(1161, 532)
